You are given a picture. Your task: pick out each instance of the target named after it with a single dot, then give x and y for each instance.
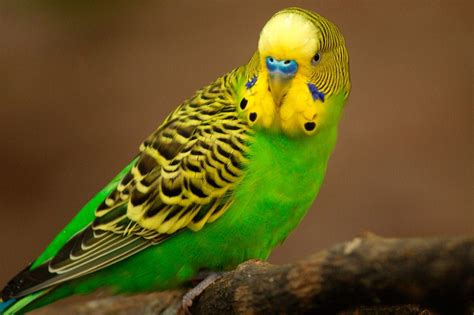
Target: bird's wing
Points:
(183, 178)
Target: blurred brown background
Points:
(82, 83)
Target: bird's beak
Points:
(280, 75)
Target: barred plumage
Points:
(255, 129)
(183, 177)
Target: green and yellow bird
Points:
(225, 178)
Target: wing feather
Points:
(183, 177)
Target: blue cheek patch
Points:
(315, 92)
(251, 82)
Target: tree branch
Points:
(367, 273)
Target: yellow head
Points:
(300, 70)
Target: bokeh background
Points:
(82, 83)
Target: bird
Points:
(224, 179)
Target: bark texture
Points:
(367, 275)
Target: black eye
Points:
(316, 58)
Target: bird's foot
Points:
(188, 298)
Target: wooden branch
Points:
(364, 275)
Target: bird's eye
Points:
(316, 58)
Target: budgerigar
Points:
(224, 179)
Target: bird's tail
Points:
(17, 306)
(5, 305)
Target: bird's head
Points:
(299, 79)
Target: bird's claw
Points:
(189, 297)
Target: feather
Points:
(182, 178)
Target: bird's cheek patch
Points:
(315, 93)
(250, 83)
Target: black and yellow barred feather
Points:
(183, 177)
(186, 169)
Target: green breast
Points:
(281, 181)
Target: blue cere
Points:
(315, 92)
(251, 82)
(287, 67)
